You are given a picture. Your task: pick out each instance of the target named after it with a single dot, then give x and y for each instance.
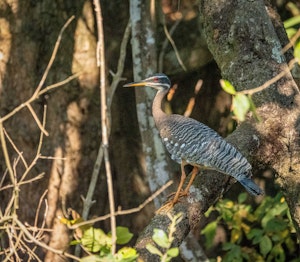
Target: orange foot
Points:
(170, 203)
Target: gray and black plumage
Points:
(192, 143)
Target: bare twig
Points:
(18, 235)
(5, 153)
(120, 68)
(169, 38)
(37, 119)
(87, 201)
(127, 211)
(38, 177)
(34, 97)
(104, 121)
(38, 90)
(292, 42)
(38, 211)
(15, 195)
(165, 44)
(57, 43)
(38, 152)
(60, 83)
(20, 154)
(271, 81)
(24, 229)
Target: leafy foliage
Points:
(164, 241)
(241, 103)
(292, 26)
(263, 234)
(97, 242)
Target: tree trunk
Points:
(251, 63)
(144, 64)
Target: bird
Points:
(192, 143)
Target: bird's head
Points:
(156, 81)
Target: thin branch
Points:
(271, 81)
(57, 43)
(15, 195)
(38, 177)
(42, 134)
(6, 155)
(41, 244)
(53, 158)
(127, 211)
(104, 121)
(165, 44)
(20, 154)
(17, 237)
(291, 43)
(37, 119)
(169, 37)
(40, 232)
(58, 84)
(121, 62)
(87, 201)
(38, 90)
(34, 97)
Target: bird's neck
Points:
(158, 113)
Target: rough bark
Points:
(248, 50)
(244, 43)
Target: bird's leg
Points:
(182, 179)
(193, 175)
(170, 204)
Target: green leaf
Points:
(126, 254)
(265, 245)
(92, 258)
(276, 225)
(160, 238)
(292, 21)
(242, 197)
(227, 87)
(290, 32)
(234, 253)
(256, 235)
(123, 235)
(210, 231)
(297, 50)
(95, 239)
(236, 235)
(253, 109)
(291, 245)
(75, 242)
(228, 246)
(210, 209)
(278, 254)
(153, 250)
(173, 252)
(241, 106)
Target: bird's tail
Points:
(250, 186)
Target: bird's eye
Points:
(155, 79)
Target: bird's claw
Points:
(170, 203)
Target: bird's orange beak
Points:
(135, 84)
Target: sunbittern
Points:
(192, 143)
